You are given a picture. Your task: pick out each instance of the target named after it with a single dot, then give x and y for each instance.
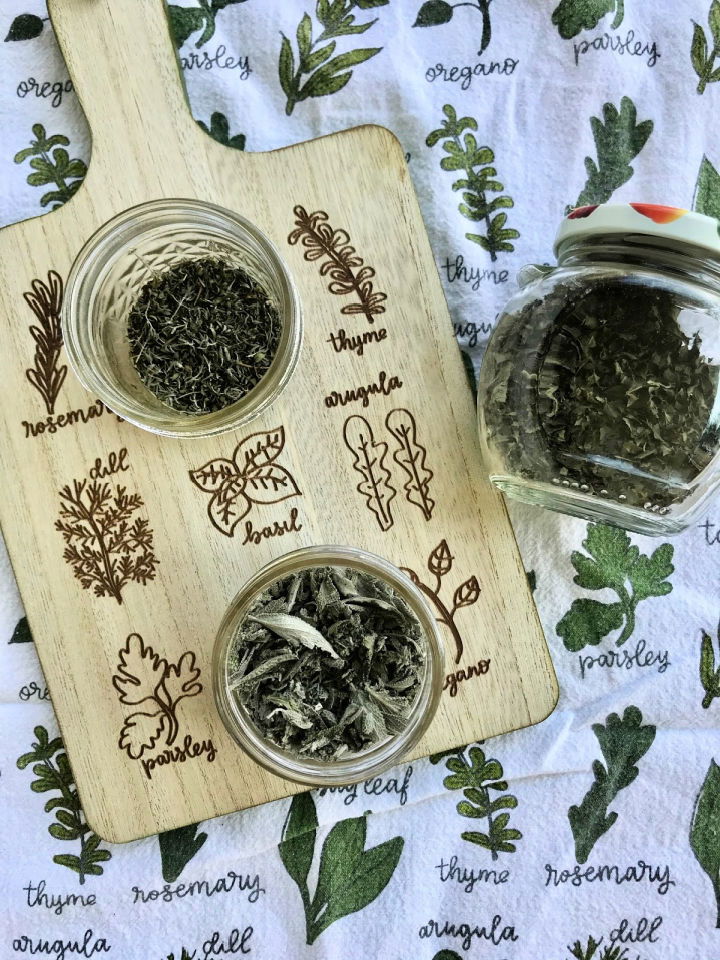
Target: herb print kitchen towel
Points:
(594, 835)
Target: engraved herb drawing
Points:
(369, 461)
(45, 300)
(410, 456)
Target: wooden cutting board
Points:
(74, 472)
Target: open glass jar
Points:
(598, 393)
(288, 762)
(109, 274)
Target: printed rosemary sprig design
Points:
(325, 74)
(440, 564)
(184, 21)
(411, 457)
(45, 301)
(479, 181)
(369, 461)
(58, 168)
(612, 563)
(105, 550)
(148, 681)
(622, 743)
(349, 876)
(52, 769)
(709, 675)
(435, 12)
(341, 263)
(476, 777)
(177, 848)
(705, 831)
(219, 130)
(704, 54)
(571, 17)
(253, 476)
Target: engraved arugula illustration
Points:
(55, 167)
(341, 263)
(476, 776)
(253, 476)
(156, 686)
(618, 140)
(466, 594)
(571, 17)
(52, 769)
(45, 301)
(612, 562)
(349, 876)
(411, 457)
(326, 74)
(704, 52)
(479, 182)
(184, 21)
(705, 831)
(433, 13)
(219, 130)
(623, 742)
(177, 848)
(369, 461)
(707, 190)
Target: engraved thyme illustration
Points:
(105, 549)
(155, 687)
(410, 456)
(45, 300)
(341, 263)
(440, 564)
(253, 476)
(369, 461)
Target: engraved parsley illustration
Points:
(52, 769)
(148, 681)
(57, 168)
(346, 270)
(177, 848)
(476, 776)
(253, 476)
(369, 461)
(411, 456)
(45, 301)
(433, 13)
(704, 53)
(705, 830)
(466, 594)
(349, 876)
(571, 17)
(479, 181)
(105, 550)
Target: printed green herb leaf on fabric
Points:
(350, 877)
(434, 13)
(177, 848)
(705, 830)
(623, 741)
(185, 21)
(219, 130)
(571, 17)
(21, 633)
(55, 167)
(704, 51)
(612, 563)
(26, 26)
(709, 675)
(590, 951)
(707, 190)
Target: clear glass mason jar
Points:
(107, 277)
(354, 767)
(598, 394)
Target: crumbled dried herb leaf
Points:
(202, 334)
(328, 662)
(598, 387)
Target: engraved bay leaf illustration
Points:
(369, 461)
(411, 457)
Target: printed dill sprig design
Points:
(45, 300)
(55, 167)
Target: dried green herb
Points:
(203, 334)
(328, 662)
(598, 387)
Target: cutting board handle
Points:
(126, 74)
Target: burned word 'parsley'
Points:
(328, 662)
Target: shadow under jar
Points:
(356, 654)
(598, 394)
(140, 246)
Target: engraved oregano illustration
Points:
(45, 301)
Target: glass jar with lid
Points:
(598, 393)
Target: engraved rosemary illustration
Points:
(45, 300)
(105, 548)
(440, 564)
(410, 456)
(252, 476)
(341, 263)
(369, 461)
(155, 687)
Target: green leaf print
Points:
(349, 876)
(21, 633)
(52, 769)
(26, 26)
(709, 675)
(447, 955)
(476, 777)
(185, 955)
(618, 140)
(705, 830)
(55, 167)
(571, 17)
(184, 21)
(590, 951)
(704, 51)
(467, 156)
(433, 13)
(177, 848)
(325, 73)
(707, 190)
(219, 130)
(614, 563)
(622, 743)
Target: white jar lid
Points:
(640, 219)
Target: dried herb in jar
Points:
(328, 662)
(202, 334)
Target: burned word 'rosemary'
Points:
(202, 334)
(328, 662)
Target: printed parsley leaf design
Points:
(433, 13)
(220, 130)
(184, 21)
(613, 563)
(571, 17)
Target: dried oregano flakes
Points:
(328, 662)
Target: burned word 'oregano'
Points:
(328, 662)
